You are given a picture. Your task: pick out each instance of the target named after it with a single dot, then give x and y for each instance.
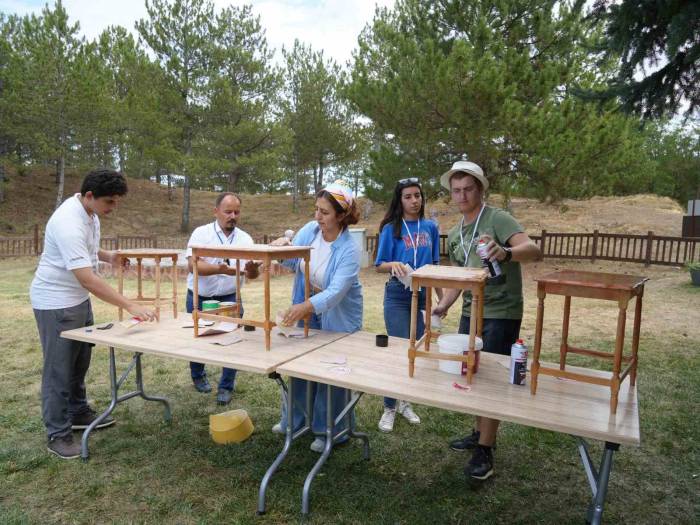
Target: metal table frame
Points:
(290, 436)
(597, 478)
(116, 398)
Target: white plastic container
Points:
(455, 344)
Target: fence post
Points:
(117, 244)
(647, 259)
(544, 234)
(264, 240)
(36, 240)
(155, 241)
(595, 245)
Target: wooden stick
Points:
(174, 277)
(268, 326)
(120, 286)
(564, 333)
(635, 335)
(619, 347)
(535, 368)
(307, 291)
(195, 292)
(414, 318)
(157, 259)
(139, 276)
(428, 321)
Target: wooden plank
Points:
(564, 406)
(168, 339)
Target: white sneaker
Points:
(386, 423)
(277, 429)
(406, 411)
(318, 445)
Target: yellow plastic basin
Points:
(233, 426)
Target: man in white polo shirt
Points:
(215, 281)
(60, 297)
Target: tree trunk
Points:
(2, 182)
(295, 193)
(60, 179)
(233, 180)
(319, 186)
(121, 157)
(185, 225)
(170, 187)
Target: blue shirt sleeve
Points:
(385, 249)
(436, 243)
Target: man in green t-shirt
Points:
(503, 305)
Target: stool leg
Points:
(414, 322)
(174, 277)
(619, 347)
(120, 285)
(564, 348)
(538, 339)
(139, 275)
(268, 326)
(157, 301)
(428, 308)
(635, 338)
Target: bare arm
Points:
(97, 286)
(523, 249)
(251, 269)
(394, 268)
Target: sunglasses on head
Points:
(410, 180)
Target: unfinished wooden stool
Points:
(258, 252)
(593, 285)
(157, 255)
(432, 276)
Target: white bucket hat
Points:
(466, 167)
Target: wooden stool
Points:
(593, 285)
(157, 255)
(431, 276)
(257, 252)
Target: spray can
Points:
(518, 363)
(493, 267)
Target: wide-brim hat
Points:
(465, 167)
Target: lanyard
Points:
(471, 241)
(222, 240)
(415, 246)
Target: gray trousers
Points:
(65, 364)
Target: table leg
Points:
(619, 348)
(139, 276)
(597, 479)
(538, 340)
(174, 277)
(307, 292)
(635, 337)
(473, 323)
(428, 308)
(564, 348)
(414, 321)
(290, 436)
(120, 284)
(115, 384)
(157, 260)
(331, 424)
(268, 328)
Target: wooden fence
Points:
(646, 249)
(32, 245)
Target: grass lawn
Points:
(144, 471)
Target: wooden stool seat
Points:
(157, 255)
(258, 252)
(432, 276)
(592, 285)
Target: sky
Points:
(328, 25)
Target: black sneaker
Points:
(466, 443)
(202, 385)
(64, 447)
(480, 466)
(223, 396)
(82, 421)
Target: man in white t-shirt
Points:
(215, 278)
(60, 297)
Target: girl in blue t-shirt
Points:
(406, 239)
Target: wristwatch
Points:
(509, 253)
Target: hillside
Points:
(147, 211)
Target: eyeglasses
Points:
(410, 180)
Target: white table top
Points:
(560, 405)
(167, 338)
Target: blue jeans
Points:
(228, 375)
(397, 316)
(320, 406)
